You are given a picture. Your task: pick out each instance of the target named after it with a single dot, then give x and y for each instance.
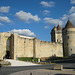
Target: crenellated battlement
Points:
(49, 43)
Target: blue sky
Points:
(35, 18)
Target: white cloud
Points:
(27, 17)
(4, 9)
(62, 21)
(25, 32)
(72, 1)
(65, 17)
(71, 17)
(72, 10)
(47, 27)
(47, 4)
(1, 24)
(4, 19)
(52, 21)
(46, 12)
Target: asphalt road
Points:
(9, 70)
(68, 65)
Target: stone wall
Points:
(28, 47)
(3, 40)
(23, 47)
(47, 49)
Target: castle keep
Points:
(62, 43)
(66, 36)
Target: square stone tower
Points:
(56, 34)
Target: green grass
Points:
(28, 59)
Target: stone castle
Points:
(62, 44)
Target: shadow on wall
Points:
(52, 57)
(72, 55)
(7, 55)
(48, 58)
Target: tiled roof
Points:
(58, 27)
(69, 25)
(53, 28)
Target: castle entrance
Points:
(10, 47)
(7, 49)
(11, 43)
(7, 55)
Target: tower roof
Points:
(54, 28)
(69, 24)
(58, 27)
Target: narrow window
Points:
(66, 30)
(67, 44)
(67, 37)
(57, 40)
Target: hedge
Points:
(28, 59)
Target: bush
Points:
(57, 58)
(61, 59)
(28, 59)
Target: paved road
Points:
(11, 70)
(68, 65)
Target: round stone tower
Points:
(69, 39)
